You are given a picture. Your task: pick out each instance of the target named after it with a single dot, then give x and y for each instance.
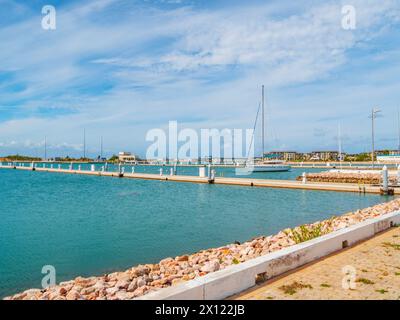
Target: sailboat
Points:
(267, 165)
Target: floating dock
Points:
(249, 182)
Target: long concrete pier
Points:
(269, 183)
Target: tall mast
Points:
(340, 145)
(101, 147)
(263, 123)
(45, 148)
(84, 143)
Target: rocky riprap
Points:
(340, 177)
(146, 278)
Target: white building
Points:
(126, 157)
(388, 158)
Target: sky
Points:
(119, 68)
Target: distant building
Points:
(392, 156)
(388, 158)
(325, 155)
(282, 155)
(387, 152)
(126, 157)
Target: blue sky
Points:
(119, 68)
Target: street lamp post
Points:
(374, 112)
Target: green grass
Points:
(365, 281)
(304, 233)
(397, 273)
(235, 261)
(325, 285)
(382, 291)
(292, 288)
(395, 246)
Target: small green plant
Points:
(235, 261)
(292, 288)
(305, 233)
(325, 285)
(397, 273)
(395, 246)
(365, 281)
(364, 270)
(382, 291)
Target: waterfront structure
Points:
(325, 155)
(283, 155)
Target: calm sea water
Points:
(84, 225)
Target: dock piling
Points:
(385, 180)
(202, 172)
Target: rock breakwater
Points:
(338, 177)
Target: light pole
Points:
(374, 112)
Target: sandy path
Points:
(376, 264)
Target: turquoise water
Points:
(89, 225)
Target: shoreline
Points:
(142, 279)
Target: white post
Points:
(213, 172)
(92, 167)
(209, 171)
(171, 171)
(59, 166)
(161, 171)
(79, 167)
(385, 180)
(133, 169)
(304, 180)
(202, 172)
